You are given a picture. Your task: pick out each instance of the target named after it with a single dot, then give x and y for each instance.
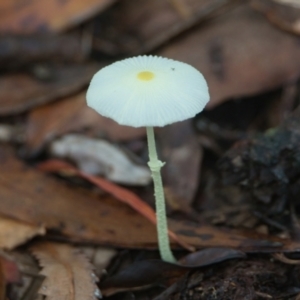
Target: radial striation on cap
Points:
(148, 91)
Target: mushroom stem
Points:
(161, 218)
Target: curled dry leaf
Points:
(68, 273)
(91, 157)
(48, 15)
(14, 233)
(74, 115)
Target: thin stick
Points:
(162, 226)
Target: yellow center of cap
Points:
(145, 75)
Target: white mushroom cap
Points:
(148, 91)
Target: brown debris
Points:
(268, 167)
(250, 279)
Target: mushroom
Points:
(149, 91)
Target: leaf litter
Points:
(120, 193)
(244, 228)
(68, 274)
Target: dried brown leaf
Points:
(120, 193)
(48, 15)
(78, 214)
(238, 54)
(20, 92)
(14, 233)
(69, 275)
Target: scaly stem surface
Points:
(162, 226)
